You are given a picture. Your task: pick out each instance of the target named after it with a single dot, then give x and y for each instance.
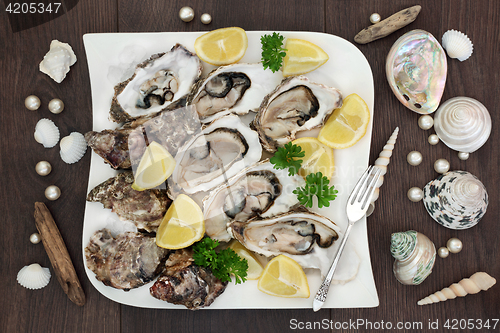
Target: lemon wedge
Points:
(347, 125)
(284, 277)
(182, 225)
(155, 167)
(302, 57)
(222, 46)
(254, 266)
(318, 157)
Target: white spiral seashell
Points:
(477, 282)
(457, 45)
(46, 133)
(73, 147)
(33, 276)
(57, 61)
(463, 124)
(383, 161)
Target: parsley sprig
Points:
(223, 263)
(272, 51)
(287, 157)
(316, 185)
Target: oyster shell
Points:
(157, 82)
(297, 104)
(237, 88)
(258, 190)
(416, 70)
(223, 148)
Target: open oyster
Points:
(156, 83)
(236, 88)
(297, 104)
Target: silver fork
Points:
(356, 208)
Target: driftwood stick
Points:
(58, 254)
(388, 26)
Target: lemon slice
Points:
(182, 225)
(318, 157)
(284, 277)
(346, 125)
(302, 57)
(155, 167)
(222, 46)
(254, 266)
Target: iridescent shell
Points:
(416, 69)
(33, 276)
(456, 200)
(415, 255)
(46, 133)
(463, 124)
(73, 147)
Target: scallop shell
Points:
(416, 70)
(33, 276)
(57, 61)
(457, 45)
(415, 255)
(46, 133)
(463, 124)
(73, 147)
(456, 200)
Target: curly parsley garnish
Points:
(223, 263)
(272, 51)
(287, 157)
(316, 185)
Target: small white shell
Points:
(73, 147)
(33, 276)
(383, 161)
(463, 124)
(57, 61)
(457, 45)
(46, 133)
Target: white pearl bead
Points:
(414, 158)
(32, 103)
(441, 165)
(35, 238)
(415, 194)
(425, 122)
(52, 192)
(186, 14)
(433, 139)
(375, 18)
(463, 156)
(206, 18)
(43, 168)
(56, 106)
(454, 245)
(443, 252)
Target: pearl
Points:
(35, 238)
(186, 14)
(454, 245)
(56, 106)
(414, 158)
(32, 102)
(425, 122)
(463, 156)
(206, 18)
(415, 194)
(52, 192)
(375, 18)
(433, 139)
(43, 168)
(441, 165)
(443, 252)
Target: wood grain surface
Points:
(50, 310)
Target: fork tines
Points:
(365, 187)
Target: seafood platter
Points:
(112, 60)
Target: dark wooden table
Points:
(49, 309)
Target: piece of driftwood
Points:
(58, 254)
(388, 26)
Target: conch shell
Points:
(415, 255)
(57, 61)
(477, 282)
